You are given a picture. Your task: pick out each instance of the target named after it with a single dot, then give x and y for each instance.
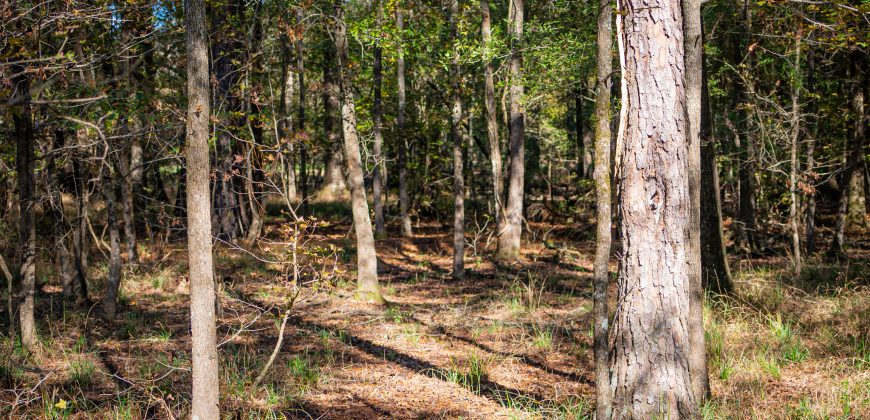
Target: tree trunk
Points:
(509, 239)
(746, 227)
(206, 387)
(601, 267)
(715, 273)
(855, 159)
(113, 281)
(402, 141)
(334, 186)
(694, 76)
(22, 120)
(650, 367)
(491, 119)
(810, 179)
(303, 147)
(456, 137)
(367, 263)
(794, 167)
(285, 124)
(377, 117)
(62, 229)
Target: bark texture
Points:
(650, 364)
(601, 268)
(367, 263)
(334, 185)
(377, 126)
(205, 396)
(511, 233)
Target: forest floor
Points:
(508, 341)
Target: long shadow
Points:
(489, 389)
(522, 358)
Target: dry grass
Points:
(509, 342)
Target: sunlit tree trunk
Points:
(367, 263)
(511, 233)
(205, 396)
(601, 267)
(303, 147)
(795, 163)
(334, 185)
(650, 364)
(694, 74)
(401, 140)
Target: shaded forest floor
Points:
(509, 341)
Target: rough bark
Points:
(62, 228)
(511, 233)
(285, 126)
(694, 74)
(601, 267)
(367, 264)
(334, 185)
(650, 366)
(205, 396)
(810, 179)
(456, 140)
(377, 127)
(22, 120)
(491, 119)
(402, 141)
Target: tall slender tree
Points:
(601, 268)
(456, 137)
(650, 366)
(204, 359)
(401, 140)
(491, 119)
(511, 233)
(22, 120)
(367, 262)
(377, 128)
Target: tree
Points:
(22, 120)
(367, 263)
(694, 73)
(204, 359)
(511, 233)
(377, 117)
(456, 140)
(650, 366)
(401, 141)
(491, 120)
(601, 267)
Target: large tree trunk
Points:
(367, 262)
(491, 119)
(650, 366)
(22, 120)
(206, 386)
(456, 137)
(509, 238)
(402, 141)
(377, 123)
(694, 74)
(285, 124)
(601, 267)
